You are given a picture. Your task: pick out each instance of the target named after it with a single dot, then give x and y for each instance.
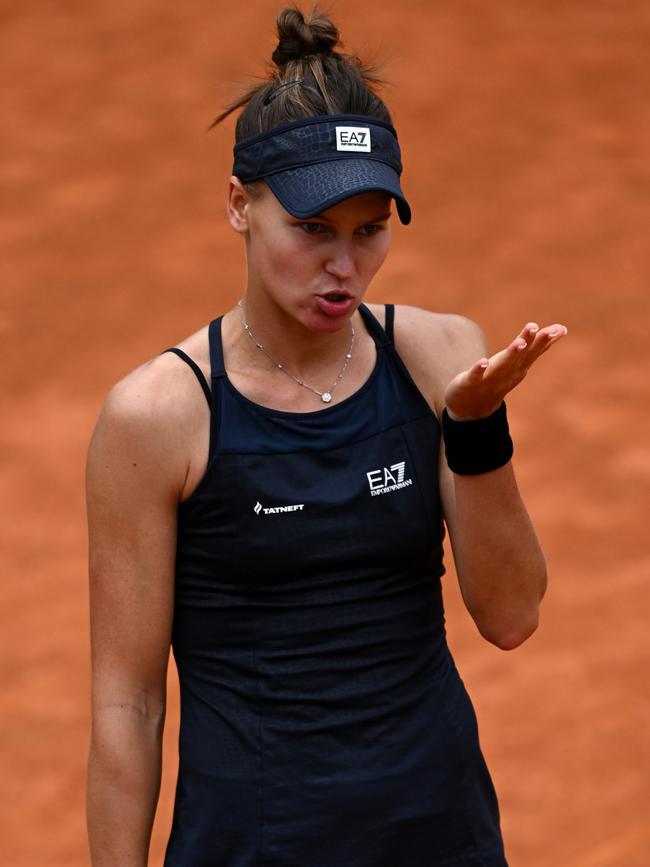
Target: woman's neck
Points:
(305, 352)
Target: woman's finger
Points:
(531, 342)
(518, 344)
(533, 334)
(529, 331)
(525, 338)
(550, 334)
(477, 371)
(557, 330)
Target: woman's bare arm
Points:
(499, 561)
(135, 471)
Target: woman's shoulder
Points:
(152, 407)
(450, 331)
(434, 346)
(160, 382)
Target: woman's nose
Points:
(340, 262)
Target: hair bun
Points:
(298, 38)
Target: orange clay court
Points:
(525, 131)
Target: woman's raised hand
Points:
(478, 391)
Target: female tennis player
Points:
(269, 499)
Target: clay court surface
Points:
(525, 132)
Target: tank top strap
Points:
(390, 319)
(217, 376)
(217, 366)
(396, 358)
(377, 333)
(195, 367)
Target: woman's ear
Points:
(237, 205)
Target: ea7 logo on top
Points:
(353, 138)
(388, 479)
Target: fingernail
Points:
(566, 330)
(522, 346)
(485, 364)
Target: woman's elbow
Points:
(506, 617)
(510, 636)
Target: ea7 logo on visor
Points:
(353, 138)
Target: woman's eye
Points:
(371, 229)
(311, 228)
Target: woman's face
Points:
(304, 266)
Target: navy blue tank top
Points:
(323, 720)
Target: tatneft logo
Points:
(274, 510)
(388, 479)
(353, 138)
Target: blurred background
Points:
(525, 131)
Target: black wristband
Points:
(477, 445)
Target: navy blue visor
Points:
(314, 163)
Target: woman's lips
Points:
(331, 307)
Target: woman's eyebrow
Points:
(380, 218)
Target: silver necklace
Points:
(325, 396)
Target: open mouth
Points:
(335, 303)
(336, 296)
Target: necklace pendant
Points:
(326, 397)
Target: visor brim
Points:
(309, 190)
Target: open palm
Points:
(478, 391)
